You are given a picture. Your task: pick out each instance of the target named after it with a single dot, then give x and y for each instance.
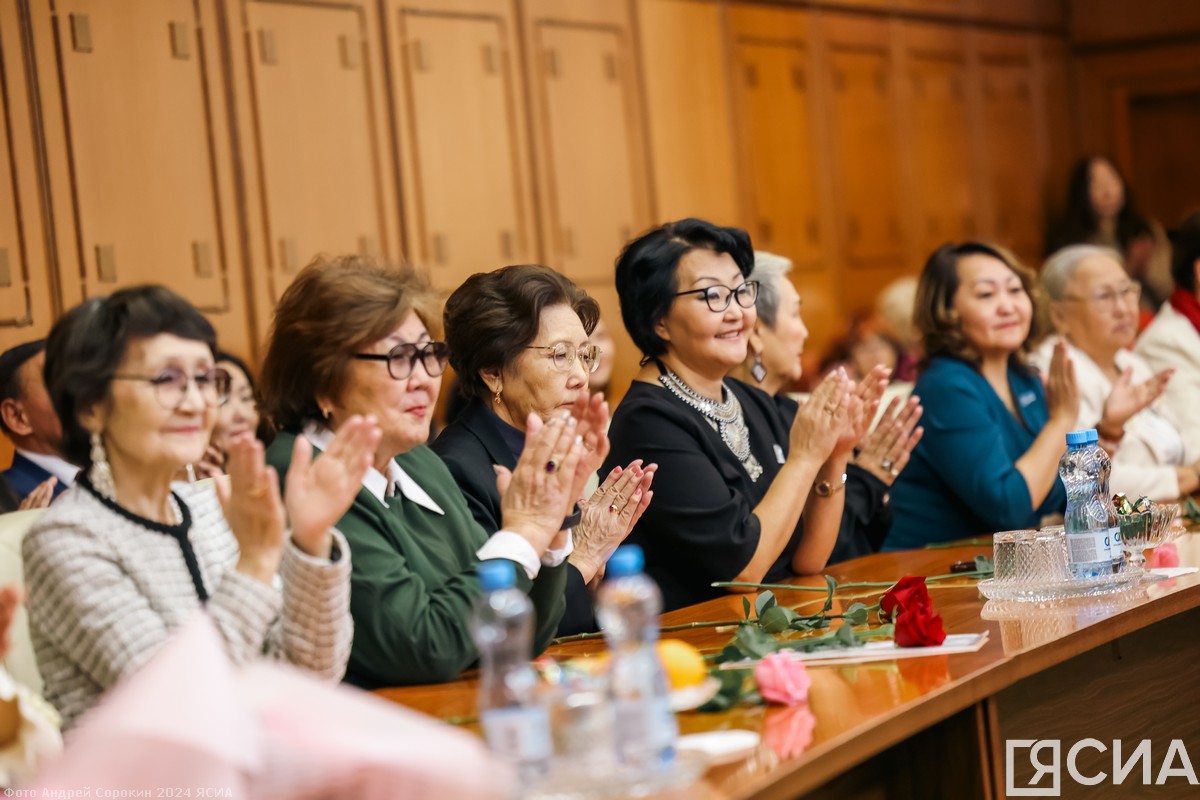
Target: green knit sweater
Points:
(412, 580)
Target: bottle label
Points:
(1088, 546)
(518, 734)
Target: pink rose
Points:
(1163, 557)
(782, 679)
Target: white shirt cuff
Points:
(552, 558)
(514, 547)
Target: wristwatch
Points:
(825, 488)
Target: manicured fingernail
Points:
(578, 440)
(566, 415)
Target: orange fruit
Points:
(682, 662)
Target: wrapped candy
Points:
(1143, 505)
(1122, 505)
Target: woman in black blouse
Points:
(732, 479)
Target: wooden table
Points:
(1119, 667)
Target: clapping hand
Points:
(1062, 393)
(609, 516)
(537, 495)
(320, 491)
(591, 415)
(249, 496)
(1126, 399)
(821, 421)
(41, 495)
(868, 393)
(886, 450)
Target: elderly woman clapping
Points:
(776, 345)
(121, 559)
(351, 338)
(519, 342)
(1094, 309)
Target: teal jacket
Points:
(412, 579)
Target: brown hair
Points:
(334, 307)
(934, 313)
(493, 315)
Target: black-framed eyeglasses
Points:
(402, 359)
(171, 385)
(718, 297)
(563, 355)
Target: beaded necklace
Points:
(726, 417)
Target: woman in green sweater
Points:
(351, 337)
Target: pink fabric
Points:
(189, 720)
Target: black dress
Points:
(700, 527)
(476, 440)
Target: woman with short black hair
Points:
(121, 559)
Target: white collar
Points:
(378, 484)
(63, 470)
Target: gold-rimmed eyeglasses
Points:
(1107, 298)
(563, 355)
(171, 385)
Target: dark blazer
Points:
(470, 446)
(24, 476)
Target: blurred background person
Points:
(1172, 341)
(774, 363)
(601, 378)
(993, 435)
(38, 473)
(354, 337)
(1100, 210)
(122, 559)
(237, 415)
(520, 340)
(894, 311)
(733, 479)
(863, 347)
(1094, 309)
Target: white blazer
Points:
(1152, 447)
(1172, 341)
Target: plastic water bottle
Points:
(1104, 479)
(515, 723)
(627, 608)
(1087, 523)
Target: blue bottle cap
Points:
(628, 560)
(495, 574)
(1093, 435)
(1076, 438)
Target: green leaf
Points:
(754, 641)
(732, 685)
(845, 636)
(730, 653)
(856, 614)
(831, 585)
(774, 619)
(763, 602)
(984, 564)
(746, 605)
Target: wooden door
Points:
(138, 152)
(315, 137)
(939, 118)
(26, 296)
(583, 77)
(1013, 151)
(1166, 166)
(466, 173)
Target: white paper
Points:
(880, 651)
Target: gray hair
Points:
(1061, 265)
(769, 270)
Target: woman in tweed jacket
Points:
(121, 559)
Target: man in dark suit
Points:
(27, 418)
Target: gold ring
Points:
(612, 507)
(551, 465)
(259, 492)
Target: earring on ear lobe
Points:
(100, 473)
(758, 370)
(496, 397)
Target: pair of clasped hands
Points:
(560, 455)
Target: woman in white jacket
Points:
(1094, 307)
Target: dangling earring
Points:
(100, 473)
(758, 370)
(496, 397)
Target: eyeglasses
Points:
(171, 385)
(563, 355)
(718, 296)
(402, 359)
(1107, 299)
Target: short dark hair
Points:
(87, 344)
(10, 370)
(647, 273)
(934, 313)
(334, 306)
(1185, 251)
(237, 362)
(494, 315)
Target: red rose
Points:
(919, 627)
(909, 592)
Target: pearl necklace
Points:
(725, 417)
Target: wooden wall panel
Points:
(691, 125)
(1105, 22)
(26, 291)
(141, 177)
(462, 120)
(312, 125)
